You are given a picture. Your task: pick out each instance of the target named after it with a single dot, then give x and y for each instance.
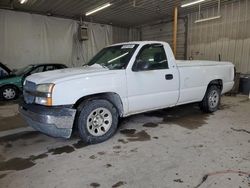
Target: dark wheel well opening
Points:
(218, 83)
(10, 85)
(113, 98)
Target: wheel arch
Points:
(11, 85)
(112, 97)
(217, 82)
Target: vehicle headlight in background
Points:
(44, 94)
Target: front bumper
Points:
(53, 121)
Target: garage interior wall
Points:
(31, 39)
(164, 32)
(228, 36)
(99, 36)
(123, 34)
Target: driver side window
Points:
(37, 70)
(154, 56)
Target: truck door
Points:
(151, 83)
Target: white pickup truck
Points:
(121, 80)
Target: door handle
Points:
(169, 77)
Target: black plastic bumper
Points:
(53, 121)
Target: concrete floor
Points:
(9, 116)
(176, 147)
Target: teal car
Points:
(11, 85)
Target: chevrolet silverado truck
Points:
(121, 80)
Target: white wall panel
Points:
(100, 36)
(30, 39)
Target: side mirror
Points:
(141, 65)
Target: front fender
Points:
(69, 92)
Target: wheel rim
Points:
(213, 99)
(99, 121)
(9, 93)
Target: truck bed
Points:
(192, 63)
(196, 75)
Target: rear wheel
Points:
(97, 121)
(211, 100)
(9, 92)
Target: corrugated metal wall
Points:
(123, 34)
(228, 36)
(120, 34)
(164, 32)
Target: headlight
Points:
(45, 88)
(44, 94)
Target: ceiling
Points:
(122, 12)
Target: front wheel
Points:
(9, 92)
(97, 121)
(211, 100)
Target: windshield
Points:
(114, 57)
(24, 70)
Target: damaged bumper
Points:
(52, 121)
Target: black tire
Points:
(210, 104)
(6, 89)
(85, 110)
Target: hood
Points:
(11, 80)
(67, 74)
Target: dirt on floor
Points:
(178, 147)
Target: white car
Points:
(121, 80)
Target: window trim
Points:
(45, 67)
(142, 48)
(37, 68)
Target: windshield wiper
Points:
(89, 65)
(104, 66)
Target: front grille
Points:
(29, 87)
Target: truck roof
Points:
(46, 64)
(139, 42)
